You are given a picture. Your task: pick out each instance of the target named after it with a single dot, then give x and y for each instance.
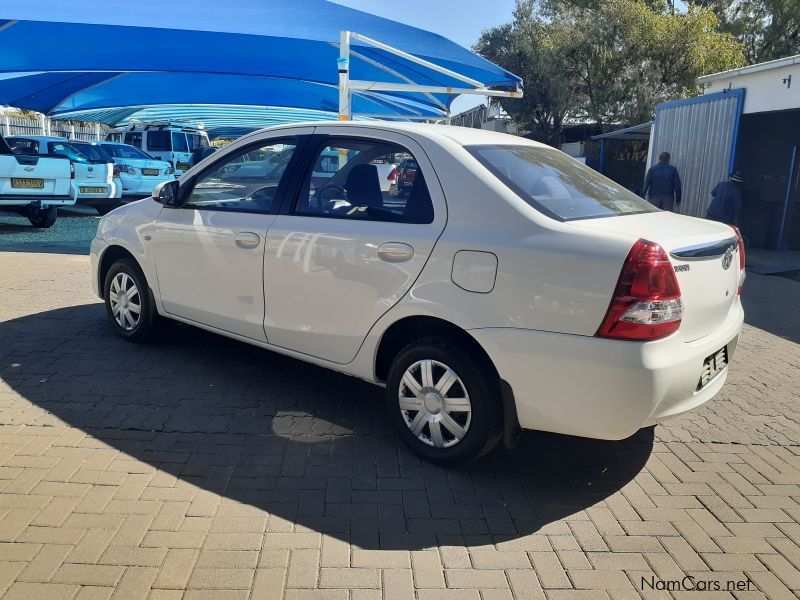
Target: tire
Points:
(124, 274)
(476, 407)
(44, 218)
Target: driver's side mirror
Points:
(167, 193)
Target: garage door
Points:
(700, 134)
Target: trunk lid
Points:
(705, 257)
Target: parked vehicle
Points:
(138, 172)
(179, 143)
(34, 186)
(92, 182)
(512, 287)
(406, 175)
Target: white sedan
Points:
(512, 287)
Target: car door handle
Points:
(395, 252)
(247, 240)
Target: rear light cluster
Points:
(71, 171)
(647, 301)
(393, 175)
(116, 170)
(740, 247)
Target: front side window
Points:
(557, 185)
(133, 138)
(245, 181)
(159, 140)
(352, 179)
(179, 142)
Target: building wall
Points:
(766, 90)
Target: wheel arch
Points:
(111, 255)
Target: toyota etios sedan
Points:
(511, 287)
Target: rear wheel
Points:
(444, 400)
(129, 304)
(44, 217)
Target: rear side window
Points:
(179, 142)
(133, 138)
(357, 179)
(158, 140)
(557, 185)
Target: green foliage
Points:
(608, 62)
(768, 29)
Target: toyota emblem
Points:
(727, 258)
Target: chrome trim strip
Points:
(701, 251)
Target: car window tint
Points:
(179, 142)
(159, 141)
(133, 138)
(93, 152)
(22, 146)
(557, 185)
(247, 181)
(352, 179)
(67, 150)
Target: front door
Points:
(349, 248)
(209, 252)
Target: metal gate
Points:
(700, 134)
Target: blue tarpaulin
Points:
(88, 56)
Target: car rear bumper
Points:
(44, 200)
(605, 389)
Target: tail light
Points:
(116, 170)
(393, 175)
(409, 176)
(740, 247)
(647, 301)
(71, 171)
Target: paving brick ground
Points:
(201, 468)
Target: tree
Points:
(768, 29)
(608, 61)
(527, 48)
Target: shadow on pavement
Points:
(772, 304)
(72, 233)
(298, 441)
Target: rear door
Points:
(26, 174)
(345, 251)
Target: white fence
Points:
(574, 149)
(44, 126)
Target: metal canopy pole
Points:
(348, 86)
(345, 110)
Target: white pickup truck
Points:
(34, 186)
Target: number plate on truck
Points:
(712, 366)
(183, 166)
(36, 184)
(151, 172)
(93, 190)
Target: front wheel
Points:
(444, 400)
(43, 218)
(129, 304)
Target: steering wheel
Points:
(325, 192)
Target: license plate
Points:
(712, 366)
(183, 166)
(93, 190)
(35, 184)
(150, 172)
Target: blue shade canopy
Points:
(83, 55)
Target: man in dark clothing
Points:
(726, 206)
(662, 186)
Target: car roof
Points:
(42, 138)
(465, 136)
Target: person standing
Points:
(662, 185)
(727, 203)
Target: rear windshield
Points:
(557, 185)
(125, 151)
(68, 150)
(93, 152)
(179, 142)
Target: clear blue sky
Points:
(460, 20)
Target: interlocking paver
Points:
(201, 468)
